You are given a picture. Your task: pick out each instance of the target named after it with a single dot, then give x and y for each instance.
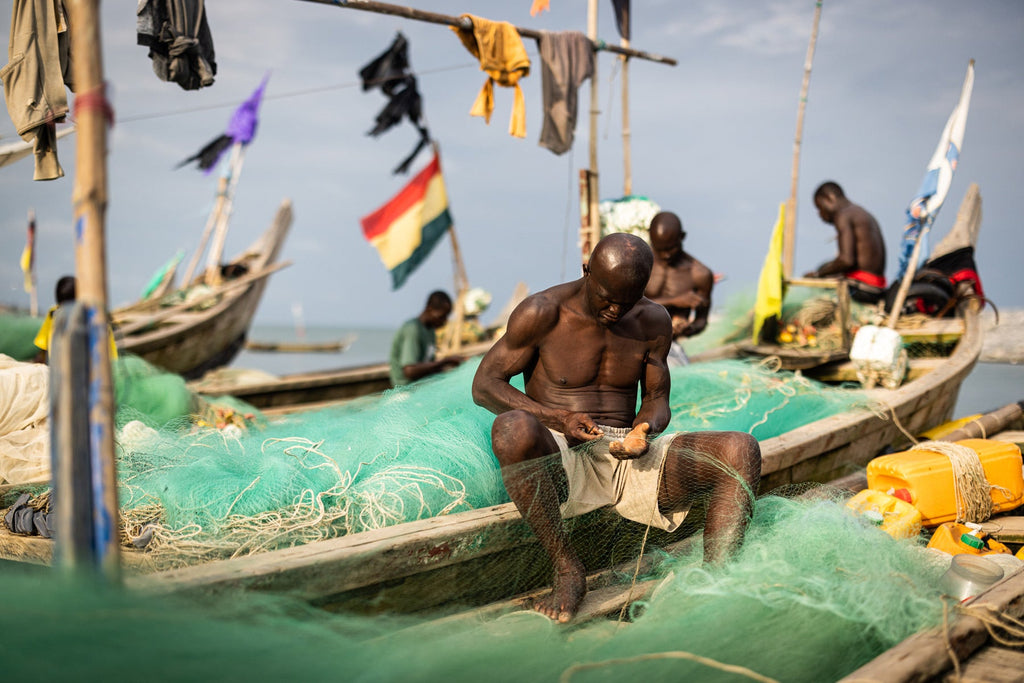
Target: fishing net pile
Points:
(196, 488)
(813, 593)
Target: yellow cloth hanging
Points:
(770, 286)
(503, 57)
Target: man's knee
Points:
(743, 454)
(515, 435)
(735, 453)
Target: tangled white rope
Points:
(971, 490)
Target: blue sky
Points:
(712, 140)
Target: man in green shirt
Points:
(414, 346)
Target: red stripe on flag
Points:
(380, 220)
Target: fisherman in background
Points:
(64, 294)
(587, 350)
(414, 346)
(861, 257)
(679, 282)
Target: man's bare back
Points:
(861, 246)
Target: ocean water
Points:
(989, 386)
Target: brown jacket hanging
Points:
(503, 57)
(35, 77)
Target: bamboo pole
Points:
(454, 341)
(220, 231)
(89, 202)
(627, 159)
(448, 20)
(789, 233)
(211, 220)
(594, 178)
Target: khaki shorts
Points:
(598, 479)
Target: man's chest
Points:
(579, 357)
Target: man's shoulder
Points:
(694, 266)
(410, 326)
(651, 314)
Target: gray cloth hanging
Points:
(566, 60)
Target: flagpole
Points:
(789, 237)
(220, 233)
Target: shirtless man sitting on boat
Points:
(679, 282)
(585, 348)
(861, 257)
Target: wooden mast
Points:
(593, 225)
(89, 200)
(789, 233)
(627, 159)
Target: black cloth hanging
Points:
(179, 41)
(390, 72)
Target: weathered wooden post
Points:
(94, 481)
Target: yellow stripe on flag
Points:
(404, 235)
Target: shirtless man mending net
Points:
(585, 348)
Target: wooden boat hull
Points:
(305, 390)
(192, 342)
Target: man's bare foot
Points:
(570, 585)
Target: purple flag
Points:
(241, 128)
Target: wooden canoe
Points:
(311, 389)
(414, 566)
(299, 347)
(208, 329)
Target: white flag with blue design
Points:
(939, 176)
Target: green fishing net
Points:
(813, 593)
(407, 454)
(17, 335)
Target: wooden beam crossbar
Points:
(448, 20)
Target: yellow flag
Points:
(27, 255)
(770, 287)
(26, 267)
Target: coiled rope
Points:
(971, 490)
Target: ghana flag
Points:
(407, 228)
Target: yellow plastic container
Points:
(925, 478)
(957, 539)
(897, 518)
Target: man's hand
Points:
(579, 427)
(633, 445)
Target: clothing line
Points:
(467, 24)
